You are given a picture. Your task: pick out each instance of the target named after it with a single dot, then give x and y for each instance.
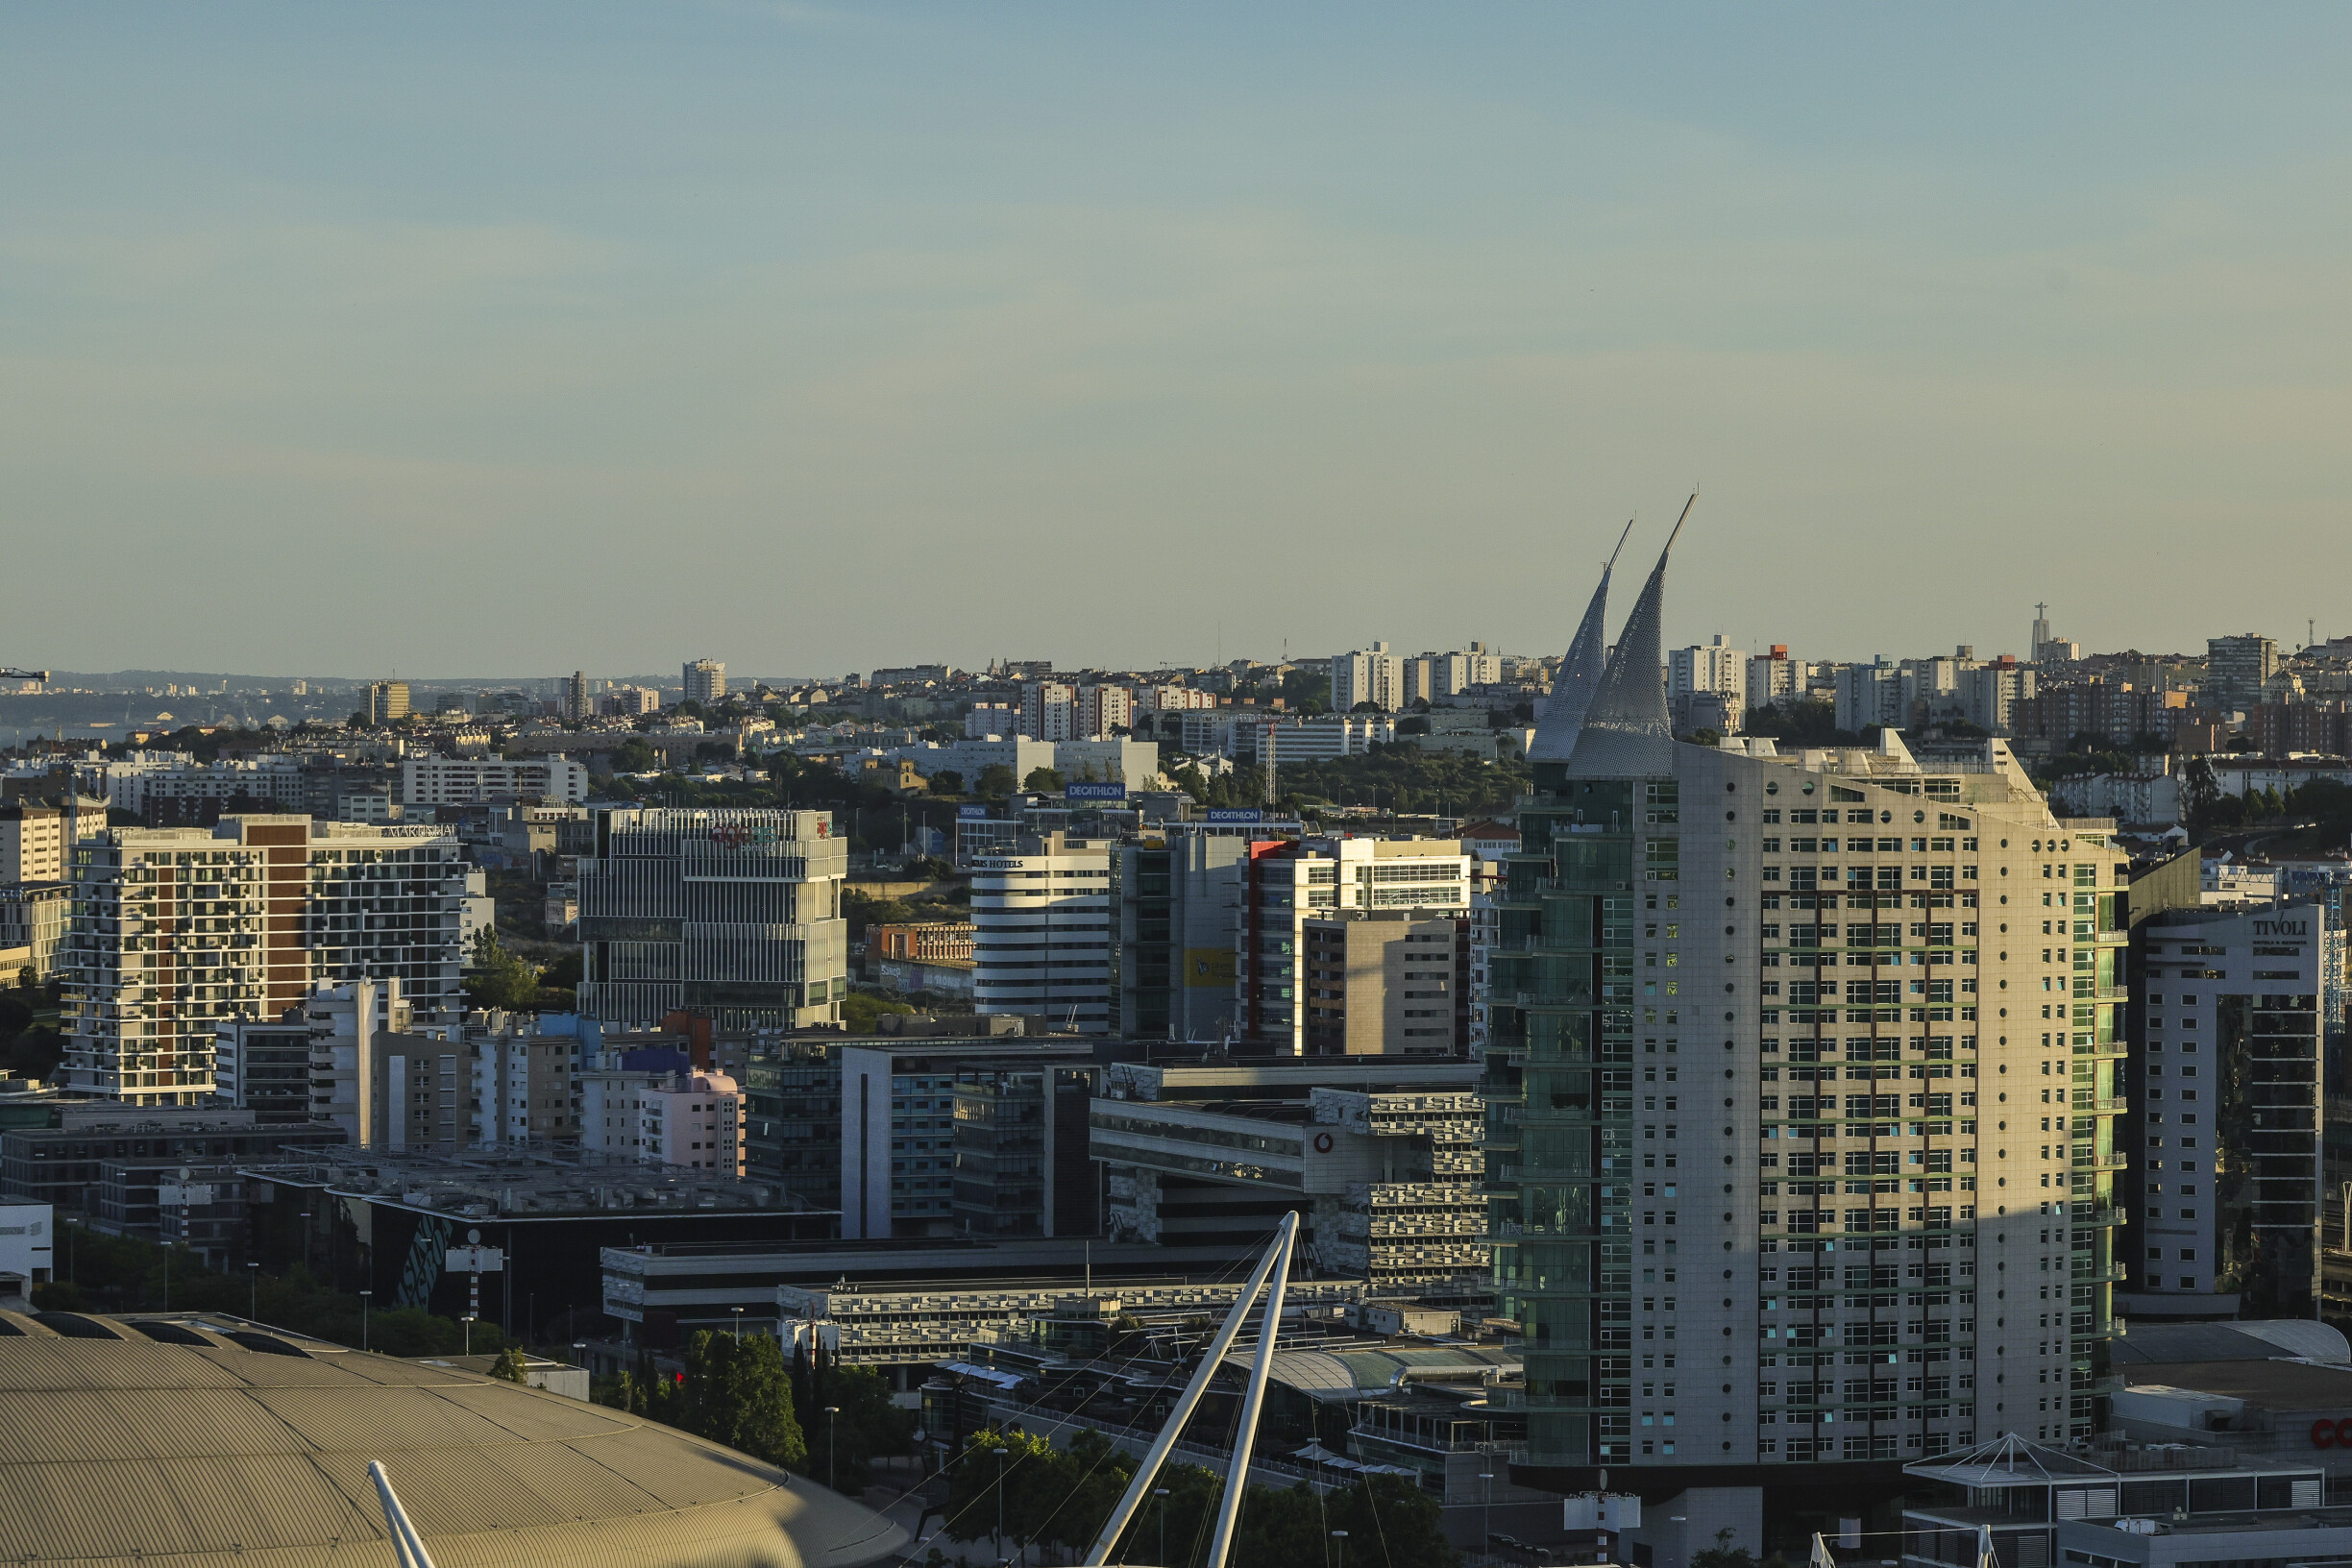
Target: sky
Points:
(530, 337)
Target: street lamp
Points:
(832, 1467)
(738, 1311)
(1161, 1494)
(580, 1353)
(469, 1332)
(363, 1318)
(1341, 1535)
(253, 1308)
(306, 1219)
(1486, 1512)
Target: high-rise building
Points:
(705, 681)
(1042, 922)
(1371, 675)
(1706, 671)
(387, 700)
(2226, 1188)
(1048, 711)
(734, 912)
(1774, 679)
(575, 704)
(2236, 669)
(175, 928)
(1286, 884)
(1774, 1070)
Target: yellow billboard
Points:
(1209, 967)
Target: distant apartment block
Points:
(1706, 686)
(462, 781)
(2235, 670)
(387, 700)
(1371, 675)
(628, 703)
(705, 681)
(175, 928)
(33, 840)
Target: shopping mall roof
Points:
(162, 1441)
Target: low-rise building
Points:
(455, 781)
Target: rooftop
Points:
(255, 1451)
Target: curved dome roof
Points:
(123, 1448)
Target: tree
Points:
(510, 1366)
(28, 978)
(866, 1427)
(635, 755)
(997, 781)
(2200, 792)
(499, 978)
(1723, 1554)
(1043, 781)
(1191, 781)
(947, 781)
(736, 1393)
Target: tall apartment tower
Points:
(387, 700)
(2226, 1185)
(1801, 1136)
(705, 681)
(732, 911)
(1041, 922)
(1372, 674)
(576, 702)
(1704, 670)
(175, 928)
(2235, 671)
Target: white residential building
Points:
(1041, 932)
(705, 681)
(33, 840)
(1310, 740)
(1773, 677)
(1372, 674)
(1433, 678)
(1707, 669)
(1048, 711)
(173, 928)
(448, 781)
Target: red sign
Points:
(2326, 1433)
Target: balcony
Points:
(2103, 1104)
(2087, 1217)
(2113, 1161)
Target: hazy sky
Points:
(532, 337)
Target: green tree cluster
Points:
(497, 978)
(1058, 1498)
(849, 1418)
(735, 1390)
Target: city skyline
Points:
(662, 323)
